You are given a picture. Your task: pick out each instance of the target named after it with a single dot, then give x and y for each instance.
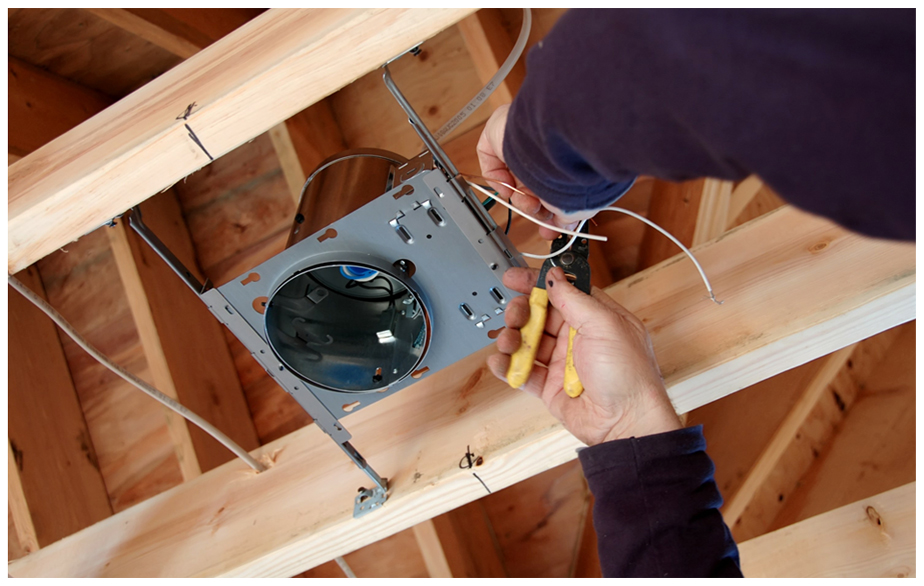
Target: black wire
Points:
(509, 218)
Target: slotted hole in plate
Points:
(406, 190)
(251, 278)
(350, 406)
(329, 234)
(420, 373)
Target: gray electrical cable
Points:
(129, 377)
(482, 96)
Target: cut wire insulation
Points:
(560, 251)
(129, 377)
(482, 96)
(686, 250)
(530, 218)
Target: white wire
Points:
(699, 268)
(532, 219)
(566, 247)
(345, 567)
(129, 377)
(482, 96)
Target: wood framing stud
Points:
(741, 196)
(288, 159)
(785, 435)
(20, 517)
(803, 435)
(712, 216)
(432, 550)
(153, 349)
(872, 538)
(152, 33)
(283, 61)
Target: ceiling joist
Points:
(242, 85)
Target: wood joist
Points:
(141, 145)
(819, 288)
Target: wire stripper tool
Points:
(577, 269)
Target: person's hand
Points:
(493, 167)
(624, 394)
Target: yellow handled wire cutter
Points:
(577, 269)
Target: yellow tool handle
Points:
(521, 363)
(572, 383)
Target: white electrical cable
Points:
(561, 250)
(686, 250)
(495, 81)
(129, 377)
(345, 567)
(530, 218)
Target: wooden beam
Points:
(586, 558)
(785, 435)
(741, 196)
(712, 215)
(872, 538)
(288, 159)
(49, 445)
(489, 44)
(873, 446)
(152, 33)
(153, 349)
(674, 207)
(432, 550)
(193, 344)
(23, 529)
(43, 106)
(469, 542)
(803, 435)
(283, 61)
(818, 287)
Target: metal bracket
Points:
(368, 500)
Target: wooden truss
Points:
(794, 287)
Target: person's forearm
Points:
(656, 510)
(820, 104)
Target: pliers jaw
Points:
(573, 261)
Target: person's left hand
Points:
(494, 169)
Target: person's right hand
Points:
(624, 395)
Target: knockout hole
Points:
(330, 233)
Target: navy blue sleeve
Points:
(656, 508)
(819, 103)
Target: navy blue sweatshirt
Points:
(819, 104)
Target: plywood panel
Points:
(85, 49)
(127, 428)
(43, 106)
(437, 83)
(48, 436)
(537, 522)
